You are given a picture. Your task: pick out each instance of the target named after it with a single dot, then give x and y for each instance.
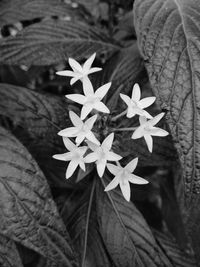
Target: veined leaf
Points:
(45, 116)
(96, 253)
(27, 211)
(12, 11)
(9, 256)
(178, 257)
(53, 41)
(168, 36)
(127, 236)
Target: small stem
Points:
(124, 129)
(119, 115)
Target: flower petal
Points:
(68, 73)
(147, 101)
(114, 183)
(156, 119)
(64, 157)
(92, 70)
(149, 142)
(78, 98)
(91, 137)
(111, 156)
(87, 86)
(71, 168)
(79, 139)
(136, 93)
(134, 179)
(107, 143)
(102, 91)
(126, 99)
(146, 114)
(101, 165)
(114, 169)
(82, 165)
(139, 132)
(125, 188)
(68, 132)
(88, 63)
(92, 145)
(142, 120)
(75, 65)
(91, 157)
(155, 131)
(132, 165)
(75, 119)
(86, 109)
(75, 79)
(90, 122)
(100, 106)
(69, 144)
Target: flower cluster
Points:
(101, 152)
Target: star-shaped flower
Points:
(124, 175)
(91, 100)
(101, 154)
(135, 105)
(147, 129)
(79, 72)
(81, 130)
(75, 156)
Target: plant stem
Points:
(119, 115)
(87, 223)
(124, 129)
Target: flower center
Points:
(91, 100)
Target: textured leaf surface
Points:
(12, 11)
(45, 116)
(127, 236)
(28, 213)
(96, 252)
(9, 256)
(53, 41)
(172, 250)
(168, 36)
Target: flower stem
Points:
(119, 115)
(124, 129)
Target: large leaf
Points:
(127, 236)
(27, 212)
(53, 41)
(81, 223)
(12, 11)
(9, 256)
(45, 116)
(168, 35)
(172, 250)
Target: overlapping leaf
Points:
(9, 256)
(12, 11)
(53, 41)
(127, 236)
(28, 213)
(168, 35)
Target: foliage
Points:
(47, 220)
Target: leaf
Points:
(178, 257)
(168, 37)
(45, 116)
(96, 254)
(9, 256)
(12, 11)
(53, 41)
(27, 212)
(127, 236)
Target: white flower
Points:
(135, 105)
(75, 156)
(147, 129)
(123, 175)
(79, 72)
(91, 100)
(81, 130)
(101, 154)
